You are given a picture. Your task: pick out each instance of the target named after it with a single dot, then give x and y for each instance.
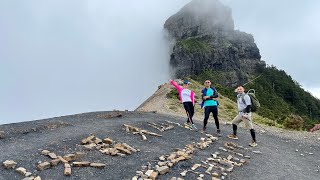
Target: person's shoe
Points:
(187, 125)
(219, 133)
(232, 136)
(253, 144)
(194, 127)
(204, 129)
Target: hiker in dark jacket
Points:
(210, 103)
(244, 114)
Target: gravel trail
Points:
(62, 135)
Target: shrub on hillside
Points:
(293, 122)
(173, 94)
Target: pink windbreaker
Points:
(180, 89)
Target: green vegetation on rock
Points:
(192, 45)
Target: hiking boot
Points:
(232, 136)
(187, 125)
(219, 133)
(204, 129)
(253, 144)
(194, 127)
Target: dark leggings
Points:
(188, 106)
(207, 111)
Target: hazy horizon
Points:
(65, 57)
(287, 34)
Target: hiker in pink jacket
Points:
(187, 98)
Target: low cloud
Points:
(64, 57)
(287, 34)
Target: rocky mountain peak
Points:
(205, 39)
(200, 17)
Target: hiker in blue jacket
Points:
(210, 103)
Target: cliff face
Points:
(205, 39)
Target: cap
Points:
(186, 82)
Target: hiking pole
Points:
(252, 80)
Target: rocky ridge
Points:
(205, 39)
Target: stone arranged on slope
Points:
(98, 165)
(107, 146)
(163, 170)
(161, 126)
(107, 141)
(168, 161)
(87, 140)
(69, 157)
(9, 164)
(62, 159)
(52, 155)
(142, 132)
(67, 169)
(45, 152)
(21, 171)
(43, 166)
(55, 162)
(81, 164)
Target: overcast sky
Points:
(287, 33)
(62, 57)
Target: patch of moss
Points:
(193, 45)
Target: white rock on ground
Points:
(21, 171)
(9, 164)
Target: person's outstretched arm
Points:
(179, 88)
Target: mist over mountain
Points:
(206, 40)
(64, 57)
(287, 34)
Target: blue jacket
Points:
(204, 92)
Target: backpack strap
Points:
(253, 91)
(244, 101)
(247, 94)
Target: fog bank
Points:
(65, 57)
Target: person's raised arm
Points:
(175, 85)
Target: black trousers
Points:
(188, 106)
(214, 111)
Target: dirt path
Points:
(279, 159)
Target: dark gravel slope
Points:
(62, 135)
